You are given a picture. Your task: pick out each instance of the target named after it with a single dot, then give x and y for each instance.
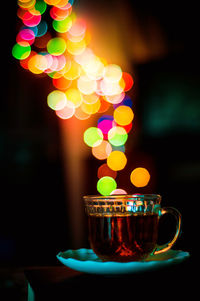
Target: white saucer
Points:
(85, 260)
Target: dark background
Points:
(34, 224)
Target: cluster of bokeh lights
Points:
(84, 84)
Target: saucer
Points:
(85, 260)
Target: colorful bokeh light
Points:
(91, 108)
(123, 115)
(37, 64)
(140, 177)
(117, 160)
(118, 191)
(31, 20)
(74, 97)
(105, 170)
(102, 151)
(41, 29)
(106, 185)
(86, 85)
(56, 46)
(25, 36)
(117, 136)
(93, 136)
(66, 112)
(79, 114)
(21, 52)
(125, 102)
(128, 81)
(40, 6)
(105, 124)
(61, 83)
(112, 73)
(83, 83)
(56, 100)
(62, 26)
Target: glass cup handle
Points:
(177, 215)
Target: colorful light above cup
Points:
(25, 36)
(24, 63)
(78, 29)
(123, 115)
(54, 2)
(140, 177)
(80, 114)
(128, 80)
(106, 185)
(74, 97)
(84, 83)
(90, 98)
(56, 100)
(104, 106)
(105, 170)
(93, 136)
(120, 148)
(75, 48)
(117, 136)
(37, 64)
(62, 26)
(107, 88)
(61, 83)
(102, 151)
(41, 29)
(56, 46)
(117, 160)
(115, 99)
(21, 52)
(40, 6)
(112, 73)
(26, 4)
(105, 117)
(92, 108)
(73, 72)
(91, 64)
(118, 191)
(125, 102)
(30, 19)
(105, 124)
(66, 112)
(60, 13)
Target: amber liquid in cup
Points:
(123, 238)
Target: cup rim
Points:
(123, 196)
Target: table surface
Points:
(59, 282)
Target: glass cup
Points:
(125, 227)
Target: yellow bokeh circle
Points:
(116, 160)
(140, 177)
(123, 115)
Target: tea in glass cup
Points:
(124, 228)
